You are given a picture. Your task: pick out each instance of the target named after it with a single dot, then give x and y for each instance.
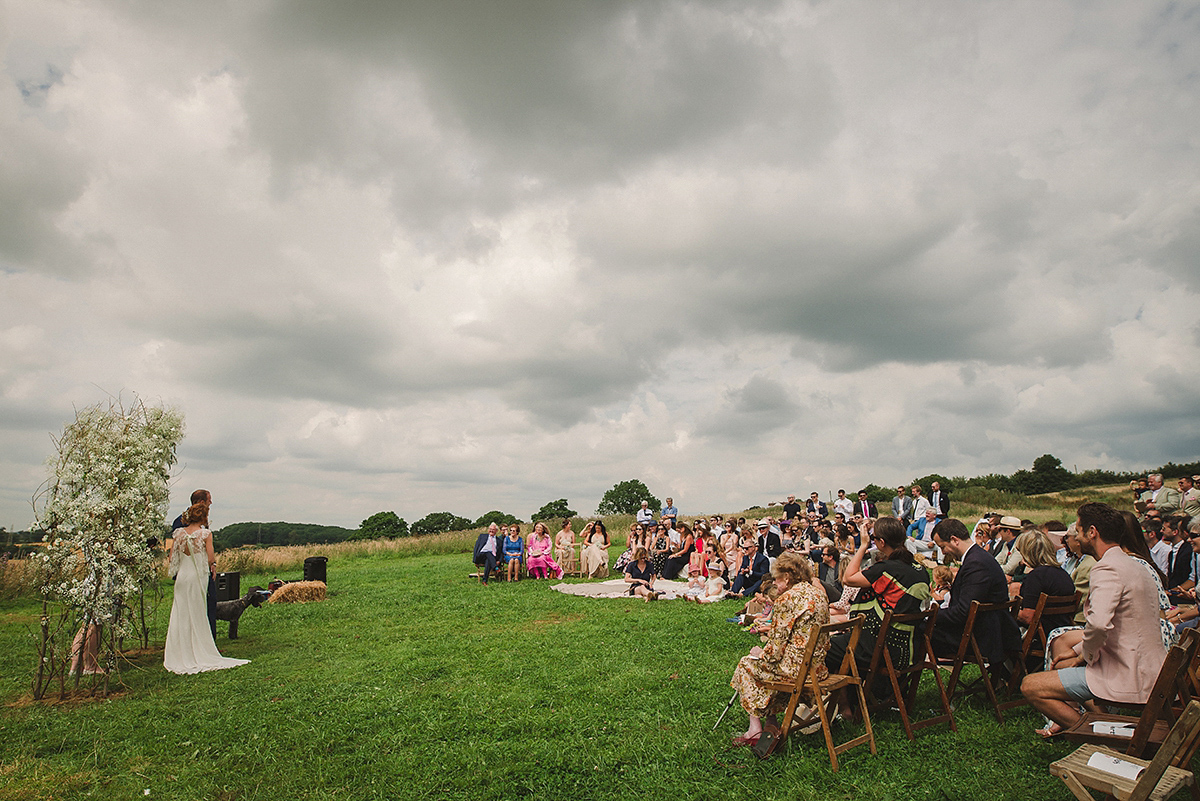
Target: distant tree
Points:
(494, 516)
(383, 524)
(555, 510)
(437, 522)
(878, 494)
(626, 498)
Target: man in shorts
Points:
(1121, 652)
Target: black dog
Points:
(232, 610)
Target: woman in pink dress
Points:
(539, 562)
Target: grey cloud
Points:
(751, 412)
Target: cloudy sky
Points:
(427, 256)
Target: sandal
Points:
(742, 739)
(1050, 732)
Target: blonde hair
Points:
(1036, 549)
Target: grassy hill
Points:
(410, 681)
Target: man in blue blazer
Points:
(979, 579)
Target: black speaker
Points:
(229, 586)
(314, 568)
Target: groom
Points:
(205, 497)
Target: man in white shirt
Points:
(844, 505)
(644, 514)
(1161, 551)
(919, 502)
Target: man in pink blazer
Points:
(1121, 651)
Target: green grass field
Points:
(411, 681)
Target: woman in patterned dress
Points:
(800, 608)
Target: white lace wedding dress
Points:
(190, 647)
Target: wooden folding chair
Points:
(905, 682)
(1033, 644)
(1151, 727)
(1161, 778)
(969, 653)
(846, 677)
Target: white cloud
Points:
(448, 257)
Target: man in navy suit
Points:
(939, 500)
(979, 579)
(750, 575)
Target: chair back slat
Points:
(1182, 740)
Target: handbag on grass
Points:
(768, 741)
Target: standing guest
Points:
(750, 574)
(514, 552)
(979, 579)
(864, 507)
(644, 515)
(564, 546)
(791, 509)
(669, 512)
(844, 505)
(894, 582)
(639, 575)
(594, 557)
(190, 646)
(1044, 575)
(487, 547)
(901, 506)
(800, 609)
(939, 500)
(540, 563)
(1120, 652)
(205, 497)
(919, 502)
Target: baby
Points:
(943, 577)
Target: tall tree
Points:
(383, 524)
(554, 510)
(626, 498)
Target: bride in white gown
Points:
(190, 647)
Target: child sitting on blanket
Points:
(714, 590)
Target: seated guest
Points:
(827, 570)
(800, 608)
(639, 575)
(636, 537)
(660, 548)
(1160, 551)
(594, 557)
(1179, 560)
(1120, 652)
(815, 506)
(514, 552)
(487, 547)
(1079, 565)
(979, 579)
(1043, 575)
(564, 546)
(839, 610)
(750, 574)
(920, 533)
(769, 541)
(1006, 552)
(540, 564)
(894, 582)
(682, 544)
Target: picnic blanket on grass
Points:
(617, 588)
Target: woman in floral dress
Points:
(800, 608)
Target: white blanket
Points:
(617, 588)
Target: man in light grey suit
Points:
(902, 505)
(1163, 500)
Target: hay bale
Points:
(298, 592)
